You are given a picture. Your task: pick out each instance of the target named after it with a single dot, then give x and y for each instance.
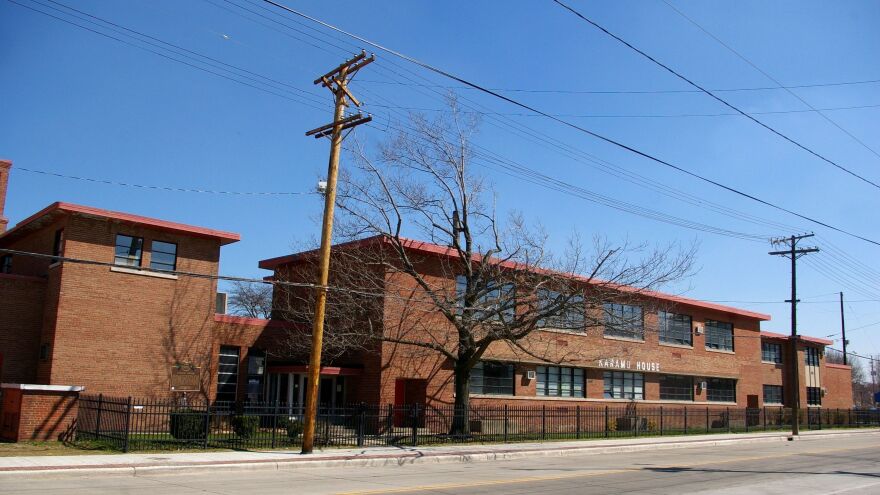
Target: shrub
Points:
(611, 425)
(651, 425)
(294, 429)
(188, 424)
(245, 426)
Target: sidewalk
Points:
(181, 463)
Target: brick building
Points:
(109, 307)
(691, 352)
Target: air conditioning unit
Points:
(698, 330)
(702, 385)
(824, 391)
(531, 375)
(221, 303)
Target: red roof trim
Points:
(838, 366)
(434, 249)
(225, 237)
(805, 338)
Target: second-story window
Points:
(811, 356)
(570, 316)
(771, 352)
(163, 256)
(624, 320)
(496, 301)
(129, 250)
(6, 263)
(719, 335)
(675, 328)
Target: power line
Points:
(639, 91)
(768, 76)
(163, 188)
(714, 96)
(569, 124)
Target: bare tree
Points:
(252, 300)
(491, 287)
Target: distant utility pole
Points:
(843, 328)
(793, 253)
(337, 82)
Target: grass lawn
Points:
(52, 448)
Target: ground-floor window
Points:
(492, 378)
(624, 385)
(721, 390)
(227, 373)
(556, 381)
(772, 394)
(676, 387)
(814, 396)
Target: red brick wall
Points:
(21, 315)
(120, 333)
(38, 414)
(837, 380)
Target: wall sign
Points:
(185, 378)
(627, 364)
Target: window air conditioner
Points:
(702, 385)
(531, 375)
(824, 391)
(698, 330)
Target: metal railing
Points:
(129, 424)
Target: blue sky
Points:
(76, 103)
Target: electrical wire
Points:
(162, 188)
(771, 78)
(571, 125)
(714, 96)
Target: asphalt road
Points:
(847, 465)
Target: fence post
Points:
(577, 415)
(765, 418)
(727, 414)
(747, 419)
(685, 420)
(661, 421)
(606, 421)
(127, 425)
(361, 418)
(506, 419)
(207, 421)
(849, 418)
(274, 421)
(707, 419)
(98, 419)
(414, 412)
(543, 421)
(389, 424)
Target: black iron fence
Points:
(131, 424)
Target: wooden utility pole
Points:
(793, 253)
(843, 328)
(337, 82)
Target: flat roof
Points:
(806, 338)
(70, 208)
(437, 250)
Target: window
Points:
(624, 320)
(675, 328)
(719, 335)
(6, 263)
(256, 373)
(227, 373)
(814, 396)
(163, 256)
(492, 378)
(771, 353)
(720, 390)
(772, 394)
(556, 381)
(811, 356)
(569, 317)
(675, 387)
(624, 385)
(58, 245)
(494, 302)
(128, 250)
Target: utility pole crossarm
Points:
(337, 82)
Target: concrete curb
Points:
(508, 452)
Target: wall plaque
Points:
(185, 377)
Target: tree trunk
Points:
(462, 401)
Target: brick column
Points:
(37, 412)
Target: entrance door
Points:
(409, 392)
